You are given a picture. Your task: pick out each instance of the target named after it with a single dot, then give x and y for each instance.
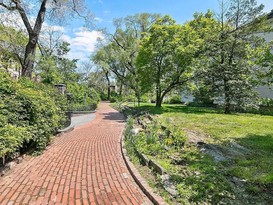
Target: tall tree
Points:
(228, 60)
(51, 7)
(124, 46)
(166, 55)
(100, 59)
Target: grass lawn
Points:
(242, 179)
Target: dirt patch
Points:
(195, 137)
(227, 152)
(219, 153)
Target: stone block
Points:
(160, 170)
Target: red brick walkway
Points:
(81, 167)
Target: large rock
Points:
(169, 185)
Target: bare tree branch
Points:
(10, 8)
(23, 15)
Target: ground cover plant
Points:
(221, 159)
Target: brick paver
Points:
(81, 167)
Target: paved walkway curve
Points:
(84, 166)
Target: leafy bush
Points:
(129, 98)
(12, 138)
(145, 99)
(32, 114)
(203, 95)
(114, 97)
(155, 140)
(91, 92)
(82, 95)
(103, 96)
(266, 102)
(175, 99)
(176, 138)
(129, 127)
(80, 107)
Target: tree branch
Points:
(23, 15)
(40, 18)
(74, 8)
(117, 42)
(10, 8)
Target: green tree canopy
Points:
(166, 55)
(121, 51)
(11, 45)
(227, 64)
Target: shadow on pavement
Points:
(114, 116)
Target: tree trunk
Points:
(29, 56)
(108, 86)
(33, 33)
(120, 89)
(159, 102)
(227, 107)
(158, 98)
(227, 98)
(108, 92)
(138, 99)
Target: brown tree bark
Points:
(33, 33)
(108, 85)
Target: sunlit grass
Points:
(253, 131)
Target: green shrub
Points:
(145, 99)
(103, 96)
(93, 95)
(32, 114)
(203, 95)
(11, 139)
(175, 99)
(82, 95)
(129, 98)
(80, 107)
(129, 127)
(177, 137)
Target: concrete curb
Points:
(65, 130)
(141, 182)
(82, 112)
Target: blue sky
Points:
(83, 42)
(180, 10)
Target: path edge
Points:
(141, 182)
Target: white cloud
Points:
(12, 19)
(98, 19)
(98, 1)
(82, 44)
(107, 12)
